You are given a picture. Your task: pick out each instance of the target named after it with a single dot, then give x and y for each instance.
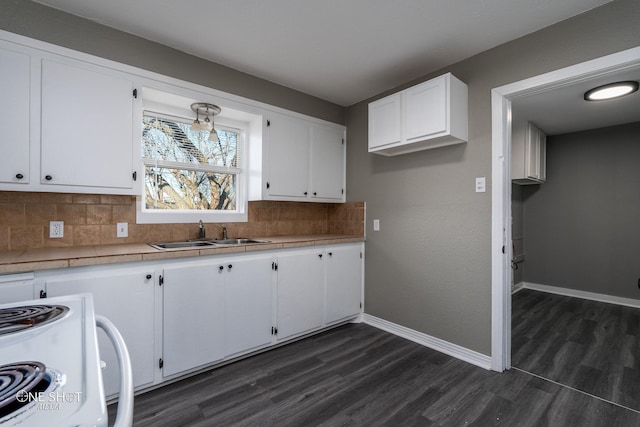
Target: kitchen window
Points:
(187, 177)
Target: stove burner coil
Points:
(16, 319)
(18, 381)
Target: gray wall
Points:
(582, 226)
(429, 268)
(40, 22)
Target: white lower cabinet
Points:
(182, 315)
(16, 287)
(248, 304)
(214, 309)
(300, 292)
(193, 316)
(126, 297)
(344, 282)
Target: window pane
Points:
(172, 189)
(171, 140)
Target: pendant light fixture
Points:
(205, 109)
(611, 90)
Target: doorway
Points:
(501, 99)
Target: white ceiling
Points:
(563, 110)
(342, 51)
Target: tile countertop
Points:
(50, 258)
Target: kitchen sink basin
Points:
(200, 243)
(180, 245)
(237, 241)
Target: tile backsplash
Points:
(90, 219)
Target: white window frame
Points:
(155, 216)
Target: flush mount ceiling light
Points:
(610, 91)
(205, 109)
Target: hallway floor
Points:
(587, 345)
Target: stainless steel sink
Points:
(180, 245)
(241, 241)
(200, 243)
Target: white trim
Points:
(609, 299)
(517, 288)
(501, 183)
(454, 350)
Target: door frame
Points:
(501, 252)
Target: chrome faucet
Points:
(224, 231)
(203, 232)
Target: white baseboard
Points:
(610, 299)
(517, 287)
(434, 343)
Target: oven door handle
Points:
(124, 416)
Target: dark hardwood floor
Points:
(357, 375)
(588, 345)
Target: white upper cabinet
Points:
(429, 115)
(87, 126)
(288, 157)
(528, 154)
(15, 90)
(327, 162)
(384, 122)
(69, 125)
(302, 160)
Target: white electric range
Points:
(50, 365)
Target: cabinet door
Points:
(344, 282)
(288, 156)
(384, 121)
(425, 109)
(193, 320)
(542, 156)
(15, 118)
(327, 162)
(126, 297)
(87, 127)
(300, 286)
(248, 304)
(16, 287)
(535, 151)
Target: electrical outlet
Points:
(481, 184)
(56, 229)
(122, 229)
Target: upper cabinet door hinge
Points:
(135, 175)
(274, 266)
(160, 363)
(135, 93)
(268, 185)
(342, 141)
(160, 281)
(268, 123)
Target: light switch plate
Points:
(122, 229)
(376, 225)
